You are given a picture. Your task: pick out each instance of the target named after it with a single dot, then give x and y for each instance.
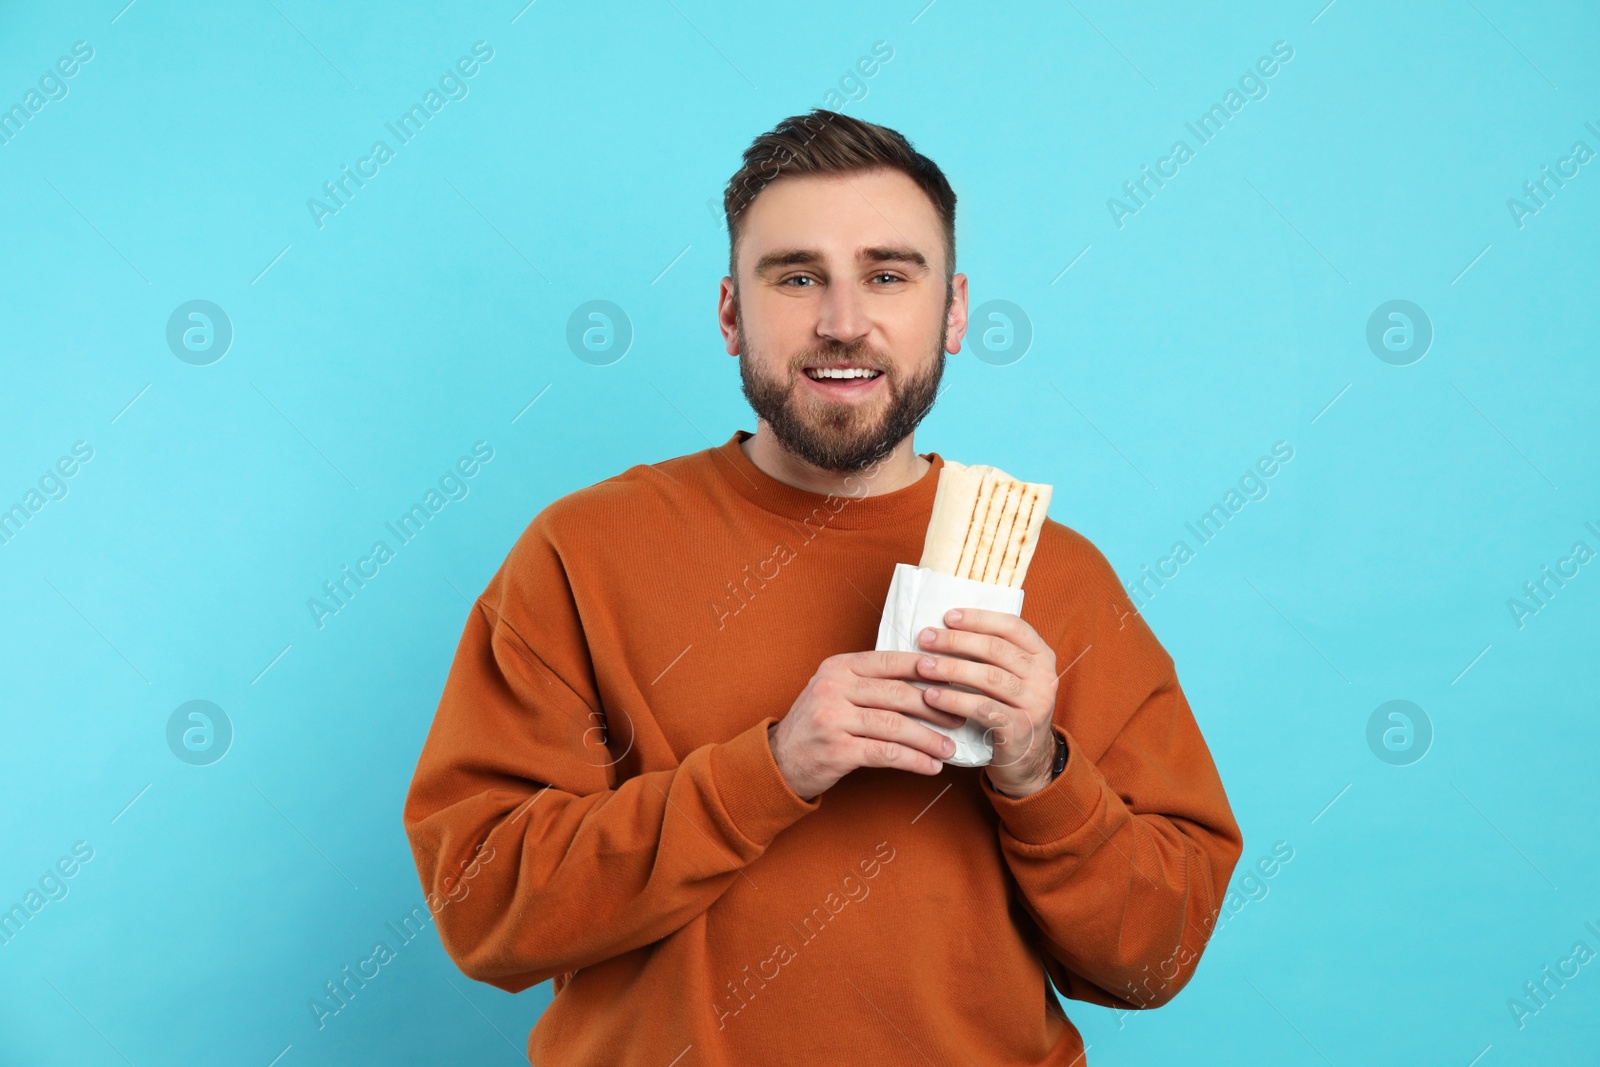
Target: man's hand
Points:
(1015, 675)
(857, 712)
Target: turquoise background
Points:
(369, 354)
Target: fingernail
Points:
(949, 747)
(927, 663)
(928, 636)
(953, 616)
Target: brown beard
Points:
(838, 437)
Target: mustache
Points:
(854, 352)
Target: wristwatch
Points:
(1059, 766)
(1061, 757)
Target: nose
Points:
(842, 316)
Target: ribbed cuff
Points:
(1058, 810)
(752, 790)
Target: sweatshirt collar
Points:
(850, 510)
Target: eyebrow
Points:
(793, 257)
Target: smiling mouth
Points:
(843, 375)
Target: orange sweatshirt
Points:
(597, 804)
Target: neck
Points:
(900, 468)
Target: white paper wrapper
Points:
(919, 598)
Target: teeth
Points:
(845, 372)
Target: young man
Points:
(666, 774)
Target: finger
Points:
(882, 664)
(1000, 624)
(894, 695)
(969, 707)
(889, 727)
(874, 753)
(978, 646)
(993, 681)
(1014, 740)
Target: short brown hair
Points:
(826, 143)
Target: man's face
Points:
(842, 275)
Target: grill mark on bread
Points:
(1005, 546)
(1012, 489)
(966, 537)
(1026, 524)
(988, 504)
(974, 566)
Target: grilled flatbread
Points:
(985, 524)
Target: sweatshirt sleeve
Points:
(537, 858)
(1123, 860)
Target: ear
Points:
(727, 321)
(956, 314)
